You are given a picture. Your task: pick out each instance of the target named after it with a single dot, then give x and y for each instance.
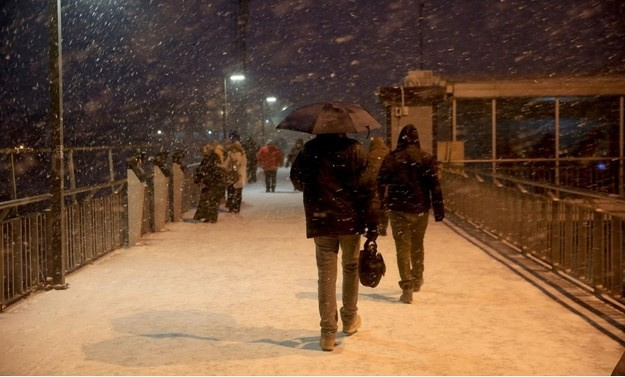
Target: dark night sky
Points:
(133, 65)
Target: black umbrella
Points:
(330, 118)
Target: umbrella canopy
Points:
(330, 118)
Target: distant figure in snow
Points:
(251, 149)
(270, 159)
(236, 167)
(299, 144)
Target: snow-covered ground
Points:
(240, 298)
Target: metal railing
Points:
(95, 226)
(23, 256)
(577, 233)
(96, 216)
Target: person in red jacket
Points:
(270, 158)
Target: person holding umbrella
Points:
(339, 207)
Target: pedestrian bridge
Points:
(240, 298)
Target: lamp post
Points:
(270, 99)
(55, 251)
(234, 78)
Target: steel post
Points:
(55, 250)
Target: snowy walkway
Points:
(240, 298)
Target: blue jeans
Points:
(408, 233)
(327, 249)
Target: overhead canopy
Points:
(411, 95)
(551, 87)
(543, 87)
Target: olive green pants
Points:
(408, 233)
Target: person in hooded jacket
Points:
(408, 175)
(339, 206)
(210, 176)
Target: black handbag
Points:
(371, 266)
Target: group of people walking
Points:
(225, 170)
(221, 175)
(347, 192)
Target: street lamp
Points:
(270, 99)
(234, 77)
(55, 255)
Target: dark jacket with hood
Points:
(209, 174)
(337, 198)
(410, 175)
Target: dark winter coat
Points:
(337, 199)
(411, 178)
(210, 173)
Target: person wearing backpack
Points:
(409, 178)
(236, 168)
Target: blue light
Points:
(601, 166)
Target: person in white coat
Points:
(236, 168)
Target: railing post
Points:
(556, 225)
(125, 223)
(597, 252)
(568, 231)
(13, 184)
(72, 173)
(616, 247)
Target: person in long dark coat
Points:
(338, 203)
(408, 175)
(210, 175)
